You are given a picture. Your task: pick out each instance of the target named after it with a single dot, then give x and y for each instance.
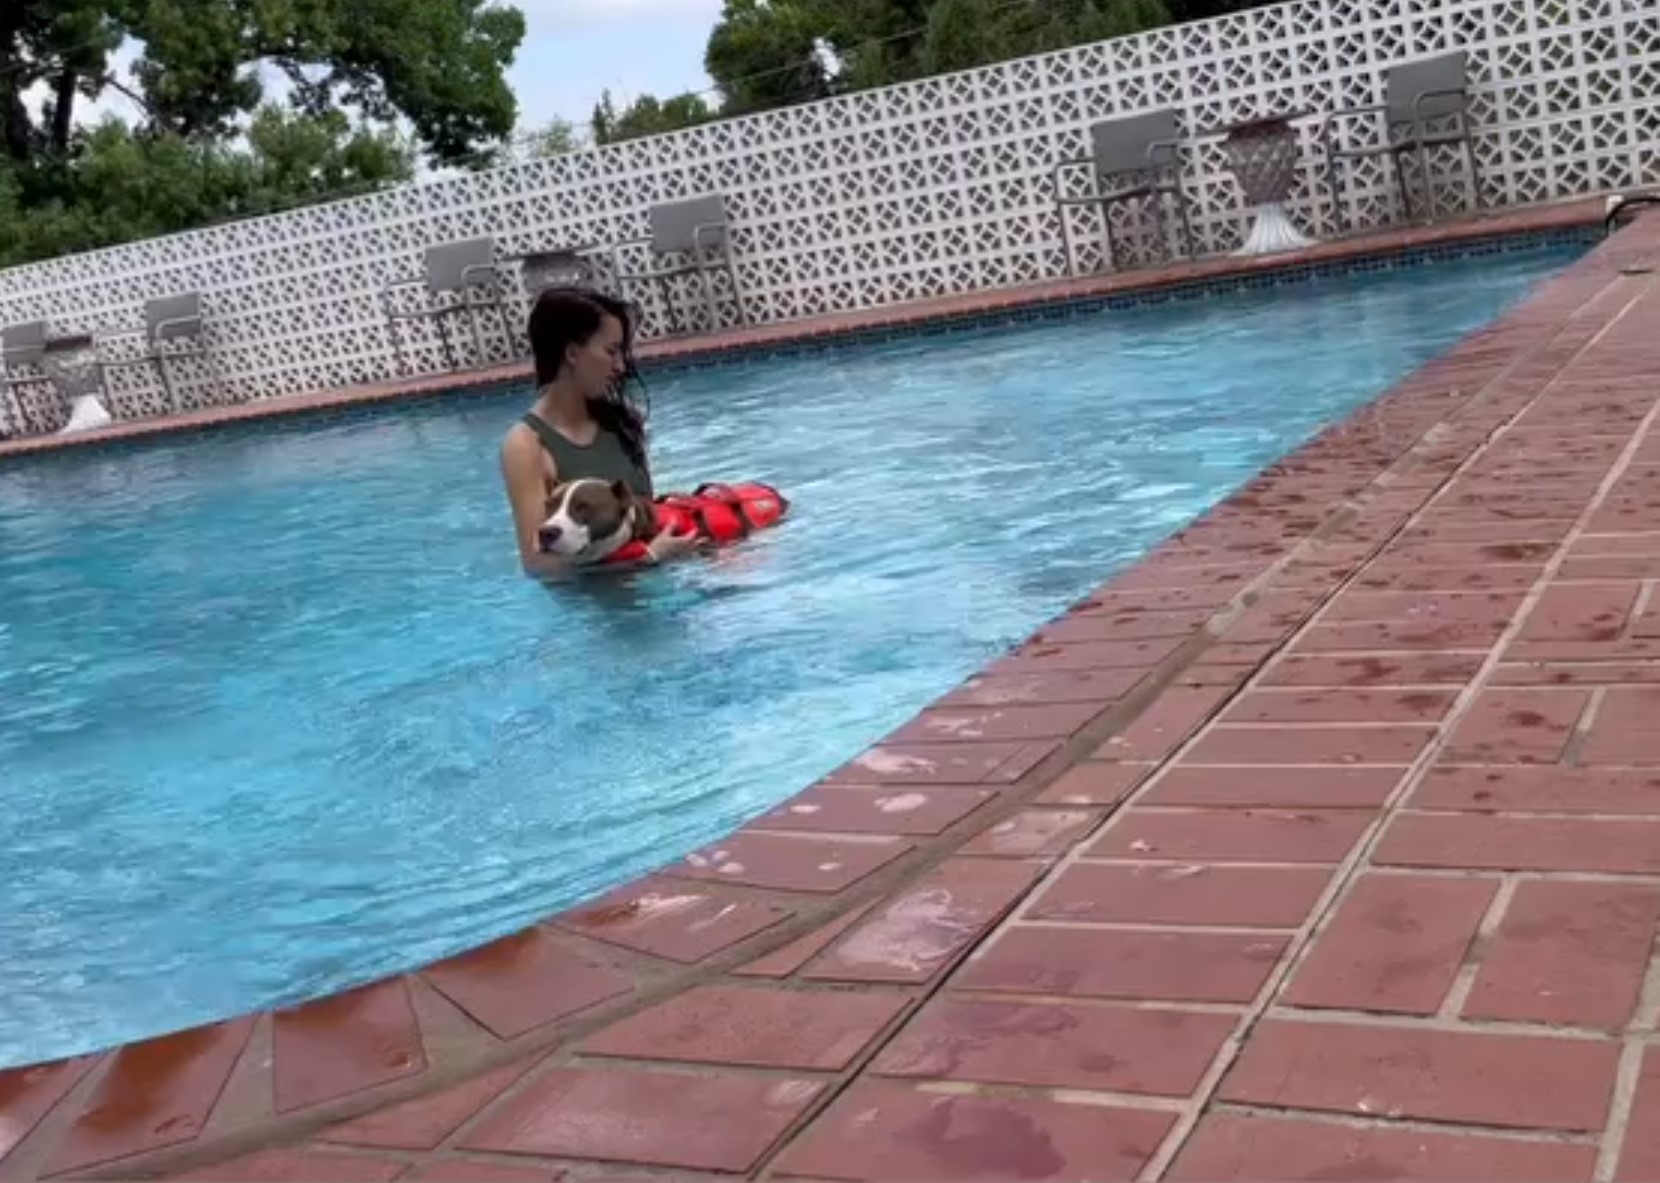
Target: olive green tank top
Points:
(604, 458)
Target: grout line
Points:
(1114, 1098)
(1580, 735)
(1627, 1077)
(1645, 598)
(1082, 926)
(1645, 770)
(1646, 1019)
(1294, 726)
(1458, 995)
(1602, 878)
(1097, 1002)
(1354, 1121)
(1402, 1020)
(1329, 766)
(1258, 864)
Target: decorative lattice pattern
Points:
(921, 190)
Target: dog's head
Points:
(588, 519)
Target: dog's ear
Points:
(623, 494)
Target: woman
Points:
(583, 423)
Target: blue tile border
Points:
(1060, 307)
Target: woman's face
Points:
(596, 364)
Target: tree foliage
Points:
(437, 66)
(440, 64)
(123, 184)
(647, 116)
(556, 139)
(766, 53)
(774, 53)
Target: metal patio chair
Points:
(691, 238)
(1133, 158)
(174, 327)
(1426, 105)
(458, 278)
(23, 355)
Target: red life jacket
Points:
(722, 514)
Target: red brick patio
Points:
(1322, 844)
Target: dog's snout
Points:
(549, 536)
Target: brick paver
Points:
(1394, 946)
(1323, 843)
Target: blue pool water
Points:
(278, 714)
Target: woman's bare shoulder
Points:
(520, 444)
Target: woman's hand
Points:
(669, 545)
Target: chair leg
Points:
(1066, 240)
(1396, 161)
(711, 310)
(444, 336)
(1106, 235)
(216, 375)
(1189, 249)
(737, 292)
(666, 286)
(167, 384)
(1475, 172)
(1339, 223)
(13, 426)
(26, 407)
(478, 333)
(1160, 226)
(404, 367)
(506, 327)
(1426, 190)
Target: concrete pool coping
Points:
(1325, 835)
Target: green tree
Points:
(647, 116)
(559, 137)
(125, 184)
(962, 34)
(437, 65)
(62, 44)
(764, 54)
(440, 64)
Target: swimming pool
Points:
(278, 714)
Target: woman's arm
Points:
(525, 477)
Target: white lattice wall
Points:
(934, 187)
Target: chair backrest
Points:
(172, 317)
(448, 263)
(1405, 82)
(674, 225)
(24, 344)
(1120, 145)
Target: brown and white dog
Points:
(589, 520)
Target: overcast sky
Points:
(573, 50)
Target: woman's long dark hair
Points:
(563, 317)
